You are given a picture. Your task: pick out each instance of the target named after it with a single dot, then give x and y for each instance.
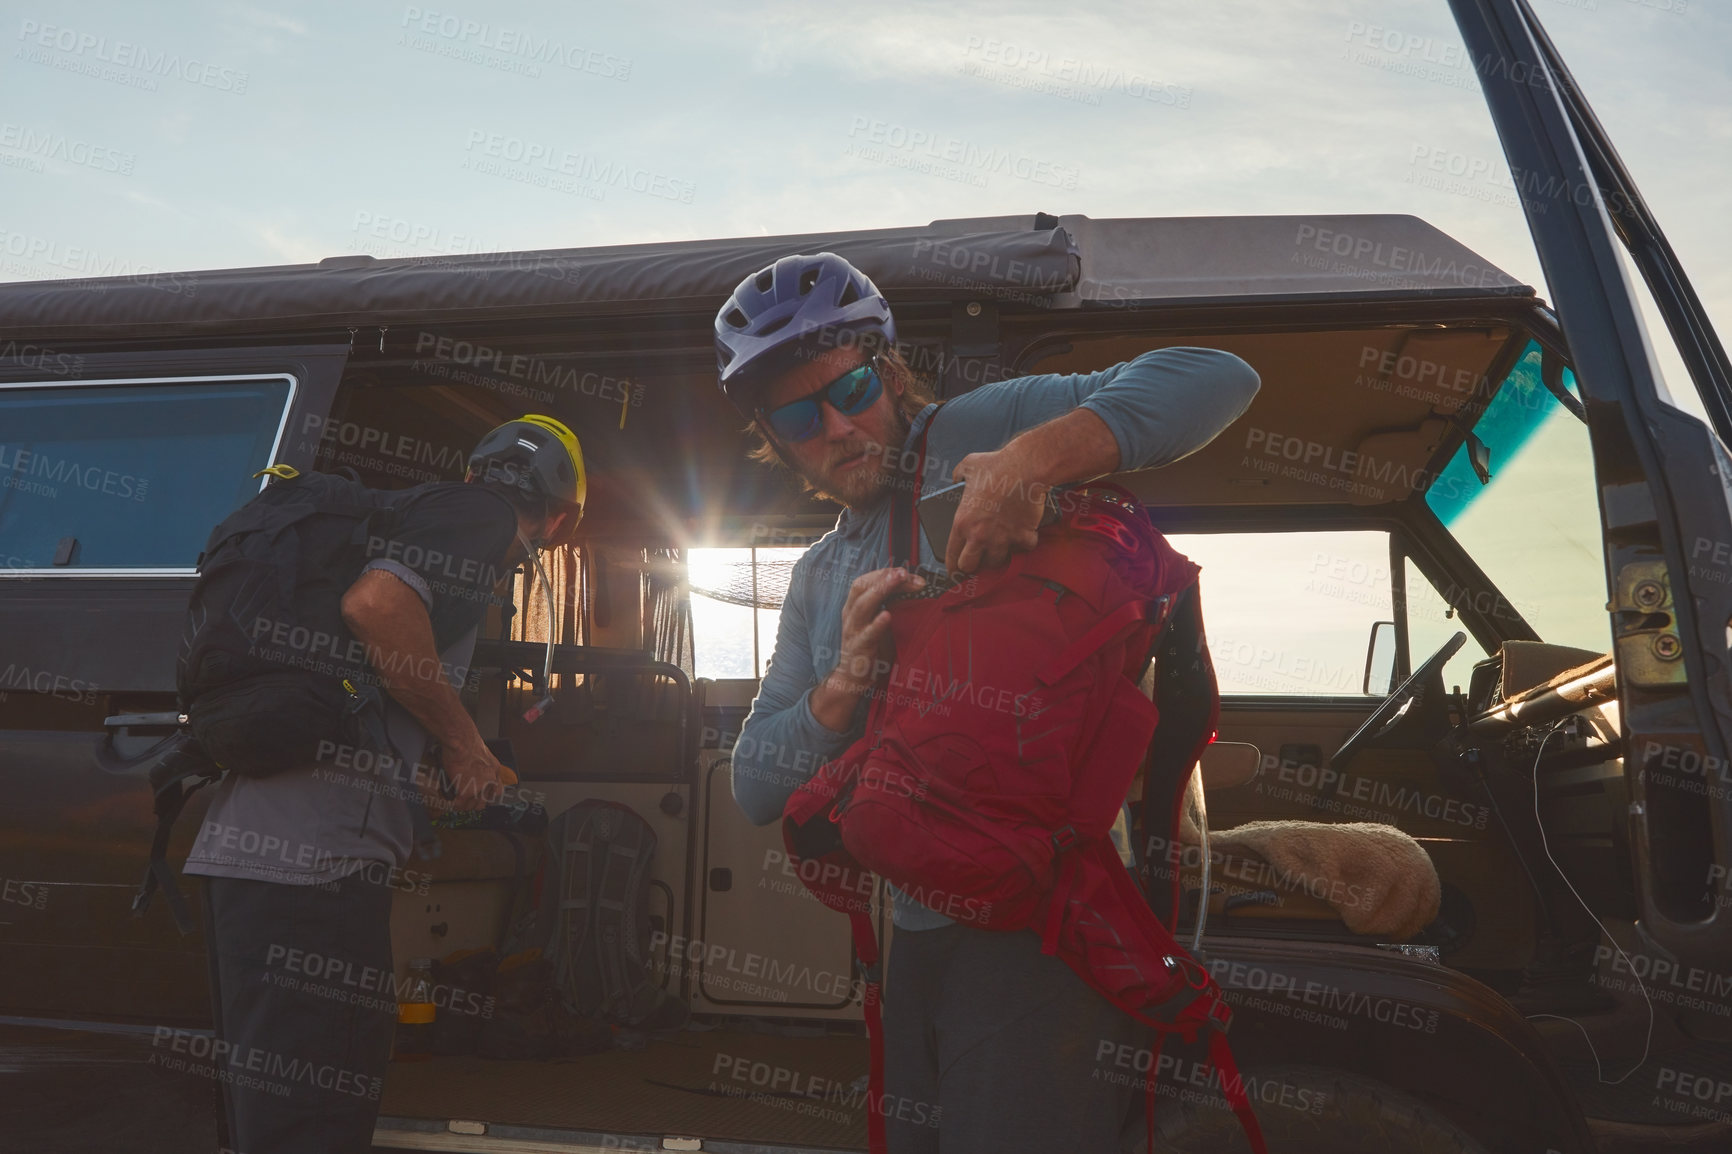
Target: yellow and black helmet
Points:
(536, 455)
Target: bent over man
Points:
(300, 865)
(982, 1030)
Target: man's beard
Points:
(865, 483)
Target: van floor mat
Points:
(724, 1085)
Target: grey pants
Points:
(299, 988)
(992, 1047)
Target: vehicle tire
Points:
(1309, 1110)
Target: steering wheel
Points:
(1396, 705)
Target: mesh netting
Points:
(732, 582)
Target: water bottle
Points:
(414, 1039)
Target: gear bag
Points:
(999, 747)
(590, 916)
(268, 677)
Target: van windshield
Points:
(1534, 526)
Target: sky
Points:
(140, 138)
(144, 138)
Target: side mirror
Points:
(1380, 660)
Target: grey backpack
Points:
(590, 917)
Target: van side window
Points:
(123, 475)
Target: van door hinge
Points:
(1650, 652)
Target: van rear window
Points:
(129, 475)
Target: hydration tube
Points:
(534, 712)
(1194, 797)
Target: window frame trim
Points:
(139, 571)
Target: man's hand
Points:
(477, 777)
(1001, 508)
(999, 513)
(865, 642)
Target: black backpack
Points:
(267, 672)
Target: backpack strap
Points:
(177, 770)
(871, 973)
(905, 496)
(1190, 706)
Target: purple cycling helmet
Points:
(798, 300)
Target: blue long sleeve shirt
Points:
(1161, 406)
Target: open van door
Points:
(1664, 489)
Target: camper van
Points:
(1465, 567)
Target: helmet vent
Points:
(766, 279)
(850, 294)
(736, 319)
(807, 280)
(774, 326)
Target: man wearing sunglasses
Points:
(982, 1030)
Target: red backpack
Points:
(996, 755)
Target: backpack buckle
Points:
(1063, 838)
(1220, 1016)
